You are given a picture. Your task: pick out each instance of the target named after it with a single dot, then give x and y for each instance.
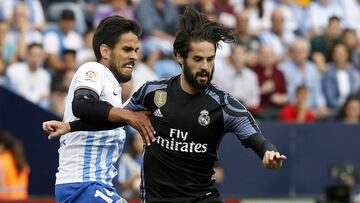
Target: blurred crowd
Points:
(294, 61)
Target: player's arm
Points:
(270, 156)
(242, 123)
(97, 115)
(88, 107)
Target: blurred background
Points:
(295, 66)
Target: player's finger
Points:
(151, 132)
(47, 127)
(271, 155)
(54, 135)
(144, 133)
(282, 157)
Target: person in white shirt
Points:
(60, 38)
(238, 79)
(29, 78)
(87, 158)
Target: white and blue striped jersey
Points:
(86, 155)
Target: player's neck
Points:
(186, 87)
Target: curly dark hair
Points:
(195, 26)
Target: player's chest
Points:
(112, 94)
(178, 116)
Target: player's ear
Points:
(105, 51)
(179, 59)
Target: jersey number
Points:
(103, 196)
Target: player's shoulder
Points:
(92, 66)
(228, 102)
(93, 69)
(154, 85)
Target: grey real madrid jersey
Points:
(178, 167)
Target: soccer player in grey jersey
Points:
(190, 116)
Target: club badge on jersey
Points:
(204, 118)
(160, 98)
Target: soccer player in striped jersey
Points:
(190, 116)
(87, 158)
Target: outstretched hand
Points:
(55, 129)
(273, 160)
(141, 122)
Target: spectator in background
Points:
(86, 53)
(69, 59)
(322, 44)
(298, 112)
(237, 79)
(57, 97)
(129, 168)
(116, 7)
(318, 14)
(159, 21)
(22, 33)
(59, 87)
(209, 8)
(272, 84)
(14, 171)
(293, 15)
(277, 37)
(35, 17)
(60, 38)
(259, 12)
(350, 111)
(299, 70)
(29, 78)
(352, 42)
(351, 15)
(243, 36)
(7, 48)
(341, 79)
(4, 79)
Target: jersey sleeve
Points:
(89, 76)
(238, 120)
(137, 101)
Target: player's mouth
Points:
(203, 76)
(129, 65)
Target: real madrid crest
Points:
(160, 98)
(204, 118)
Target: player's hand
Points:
(273, 160)
(141, 122)
(55, 129)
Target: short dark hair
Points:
(109, 31)
(301, 87)
(195, 26)
(69, 51)
(32, 45)
(67, 14)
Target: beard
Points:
(114, 67)
(191, 78)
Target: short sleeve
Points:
(89, 76)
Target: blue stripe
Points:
(110, 154)
(87, 156)
(105, 135)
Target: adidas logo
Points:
(158, 113)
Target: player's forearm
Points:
(119, 115)
(259, 144)
(80, 125)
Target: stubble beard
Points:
(115, 69)
(191, 78)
